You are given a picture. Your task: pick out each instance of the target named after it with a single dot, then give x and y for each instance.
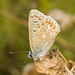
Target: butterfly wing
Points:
(42, 32)
(35, 19)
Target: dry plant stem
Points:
(13, 17)
(65, 43)
(63, 57)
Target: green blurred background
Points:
(14, 31)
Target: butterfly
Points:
(42, 32)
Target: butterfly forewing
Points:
(35, 19)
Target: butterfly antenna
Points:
(25, 62)
(19, 52)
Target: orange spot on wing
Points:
(43, 23)
(46, 21)
(39, 26)
(54, 27)
(56, 32)
(51, 24)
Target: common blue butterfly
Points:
(42, 32)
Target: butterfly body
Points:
(42, 32)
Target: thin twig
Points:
(63, 57)
(13, 17)
(65, 43)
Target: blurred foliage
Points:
(14, 31)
